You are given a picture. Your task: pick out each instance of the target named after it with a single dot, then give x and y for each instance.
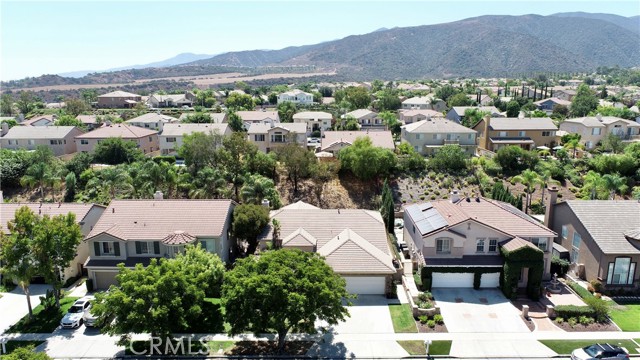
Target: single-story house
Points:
(334, 141)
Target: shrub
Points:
(599, 307)
(438, 319)
(423, 319)
(48, 301)
(418, 279)
(422, 197)
(584, 293)
(585, 320)
(569, 311)
(432, 175)
(425, 296)
(431, 324)
(559, 320)
(597, 285)
(433, 197)
(572, 321)
(425, 304)
(559, 266)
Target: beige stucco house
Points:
(334, 141)
(173, 134)
(424, 103)
(60, 139)
(296, 96)
(268, 137)
(366, 118)
(315, 120)
(118, 100)
(411, 116)
(153, 121)
(146, 139)
(528, 133)
(427, 136)
(592, 129)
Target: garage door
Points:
(452, 280)
(105, 279)
(365, 285)
(490, 280)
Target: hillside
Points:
(630, 23)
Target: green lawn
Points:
(440, 347)
(43, 321)
(12, 345)
(565, 347)
(627, 319)
(417, 347)
(402, 319)
(215, 346)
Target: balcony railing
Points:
(452, 142)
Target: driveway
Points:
(478, 311)
(14, 304)
(80, 343)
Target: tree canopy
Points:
(249, 221)
(449, 158)
(584, 101)
(366, 161)
(115, 151)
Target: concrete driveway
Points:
(478, 311)
(14, 304)
(81, 343)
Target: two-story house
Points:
(592, 129)
(216, 118)
(457, 112)
(118, 100)
(315, 120)
(412, 116)
(60, 139)
(153, 121)
(467, 240)
(90, 121)
(173, 134)
(602, 238)
(258, 117)
(145, 139)
(427, 136)
(268, 137)
(174, 100)
(366, 118)
(41, 120)
(424, 103)
(87, 216)
(296, 96)
(528, 133)
(352, 241)
(133, 232)
(334, 141)
(547, 105)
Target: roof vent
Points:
(158, 195)
(521, 115)
(455, 196)
(266, 203)
(599, 117)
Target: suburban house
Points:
(424, 103)
(315, 120)
(528, 133)
(296, 96)
(118, 100)
(427, 136)
(547, 105)
(153, 121)
(90, 121)
(602, 237)
(87, 216)
(366, 118)
(146, 139)
(457, 112)
(41, 120)
(258, 117)
(133, 232)
(216, 118)
(334, 141)
(171, 137)
(484, 99)
(60, 139)
(268, 137)
(162, 101)
(352, 241)
(564, 94)
(468, 242)
(411, 116)
(592, 129)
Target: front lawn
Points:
(12, 345)
(417, 347)
(565, 347)
(627, 316)
(402, 318)
(220, 347)
(43, 321)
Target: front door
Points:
(524, 275)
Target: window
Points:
(171, 139)
(203, 244)
(417, 148)
(55, 142)
(565, 231)
(12, 142)
(493, 245)
(84, 141)
(596, 131)
(435, 136)
(480, 245)
(470, 136)
(547, 133)
(541, 243)
(589, 144)
(577, 239)
(150, 139)
(146, 125)
(503, 134)
(259, 137)
(418, 136)
(621, 272)
(522, 133)
(443, 246)
(31, 142)
(278, 137)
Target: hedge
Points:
(584, 293)
(569, 311)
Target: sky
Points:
(50, 37)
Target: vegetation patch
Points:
(270, 348)
(402, 318)
(565, 347)
(440, 347)
(627, 316)
(11, 345)
(413, 347)
(44, 321)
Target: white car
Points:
(599, 351)
(73, 318)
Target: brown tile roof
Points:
(350, 253)
(87, 119)
(178, 237)
(119, 93)
(258, 115)
(118, 130)
(517, 243)
(40, 132)
(437, 126)
(155, 219)
(300, 237)
(522, 124)
(181, 129)
(382, 139)
(8, 210)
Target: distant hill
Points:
(629, 23)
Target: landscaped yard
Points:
(417, 347)
(402, 319)
(12, 345)
(43, 321)
(564, 347)
(627, 316)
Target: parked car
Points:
(73, 318)
(89, 319)
(599, 351)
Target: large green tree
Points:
(282, 291)
(449, 158)
(286, 110)
(68, 120)
(238, 101)
(298, 162)
(257, 188)
(198, 118)
(75, 106)
(6, 105)
(366, 161)
(116, 151)
(200, 149)
(26, 353)
(584, 101)
(26, 102)
(204, 268)
(387, 208)
(530, 179)
(358, 97)
(249, 221)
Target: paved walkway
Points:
(14, 304)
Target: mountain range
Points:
(484, 46)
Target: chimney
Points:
(455, 197)
(485, 139)
(158, 195)
(266, 203)
(548, 214)
(599, 117)
(521, 115)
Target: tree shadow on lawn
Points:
(327, 347)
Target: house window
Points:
(503, 134)
(493, 245)
(171, 139)
(147, 247)
(278, 137)
(546, 133)
(541, 243)
(146, 125)
(443, 246)
(480, 245)
(259, 137)
(621, 272)
(31, 142)
(418, 136)
(577, 239)
(575, 247)
(12, 142)
(522, 133)
(150, 139)
(596, 131)
(565, 231)
(435, 136)
(55, 142)
(470, 136)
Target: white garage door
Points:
(105, 279)
(490, 280)
(365, 285)
(452, 280)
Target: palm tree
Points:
(255, 189)
(615, 183)
(37, 175)
(529, 179)
(546, 180)
(574, 144)
(209, 183)
(117, 181)
(595, 182)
